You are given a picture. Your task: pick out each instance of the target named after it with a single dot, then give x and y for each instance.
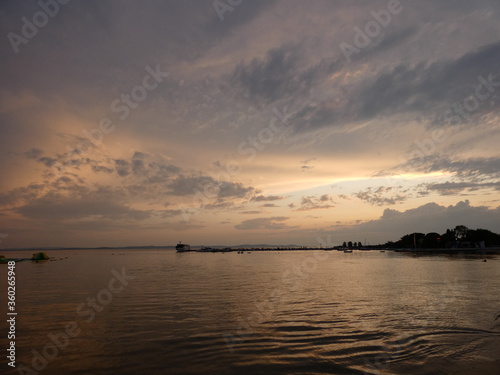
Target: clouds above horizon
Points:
(257, 113)
(434, 217)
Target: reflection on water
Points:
(265, 312)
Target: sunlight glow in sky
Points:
(128, 123)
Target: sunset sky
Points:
(280, 122)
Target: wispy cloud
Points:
(272, 223)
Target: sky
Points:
(226, 122)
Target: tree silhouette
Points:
(431, 240)
(461, 232)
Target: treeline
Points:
(459, 237)
(352, 245)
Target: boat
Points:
(183, 247)
(347, 251)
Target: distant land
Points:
(457, 238)
(245, 246)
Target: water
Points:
(302, 312)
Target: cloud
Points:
(453, 188)
(122, 167)
(432, 217)
(429, 89)
(56, 207)
(101, 168)
(312, 202)
(34, 153)
(468, 169)
(266, 80)
(269, 205)
(263, 198)
(21, 194)
(160, 173)
(382, 195)
(168, 213)
(283, 73)
(225, 79)
(274, 223)
(407, 88)
(209, 187)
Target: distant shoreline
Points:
(429, 251)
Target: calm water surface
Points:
(303, 312)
